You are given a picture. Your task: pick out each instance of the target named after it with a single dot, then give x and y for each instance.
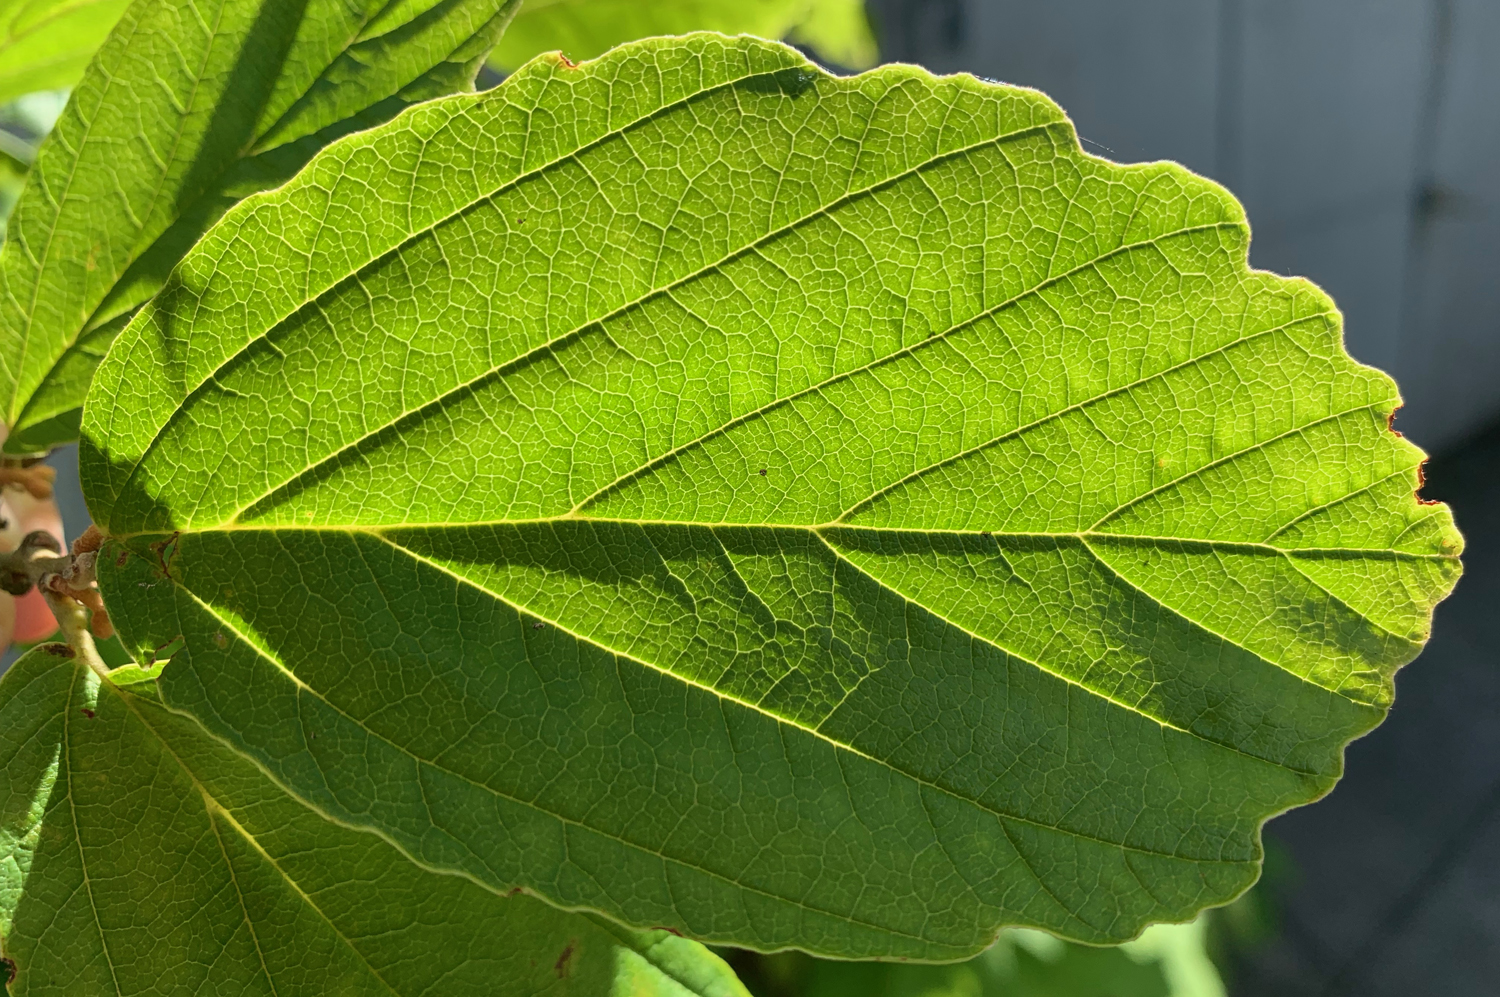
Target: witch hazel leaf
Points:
(795, 510)
(187, 108)
(138, 856)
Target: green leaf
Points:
(189, 107)
(584, 29)
(44, 44)
(801, 511)
(138, 855)
(1169, 960)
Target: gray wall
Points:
(1363, 137)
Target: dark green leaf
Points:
(139, 856)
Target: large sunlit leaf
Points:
(45, 44)
(139, 856)
(582, 29)
(800, 511)
(189, 106)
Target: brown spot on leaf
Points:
(88, 712)
(220, 641)
(566, 62)
(58, 650)
(8, 971)
(561, 965)
(762, 472)
(124, 556)
(670, 931)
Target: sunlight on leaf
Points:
(797, 510)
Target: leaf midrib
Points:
(782, 721)
(83, 863)
(29, 312)
(719, 694)
(304, 687)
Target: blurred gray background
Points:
(1363, 137)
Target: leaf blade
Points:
(231, 867)
(847, 476)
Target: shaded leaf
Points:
(44, 44)
(137, 855)
(1168, 961)
(189, 107)
(584, 29)
(801, 511)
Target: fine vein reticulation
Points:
(798, 510)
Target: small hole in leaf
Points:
(162, 654)
(538, 625)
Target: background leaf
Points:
(139, 856)
(802, 511)
(1168, 960)
(189, 107)
(584, 29)
(44, 44)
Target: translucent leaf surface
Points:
(45, 44)
(801, 511)
(139, 856)
(582, 29)
(188, 107)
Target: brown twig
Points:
(39, 561)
